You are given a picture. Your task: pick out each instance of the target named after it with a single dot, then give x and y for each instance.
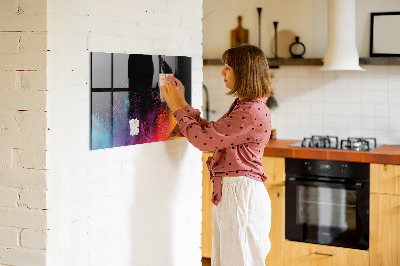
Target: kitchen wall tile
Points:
(381, 136)
(355, 132)
(317, 95)
(381, 123)
(367, 82)
(329, 93)
(354, 122)
(304, 82)
(293, 120)
(291, 71)
(317, 108)
(342, 133)
(380, 71)
(304, 109)
(278, 83)
(329, 122)
(367, 133)
(394, 110)
(394, 82)
(316, 82)
(381, 97)
(355, 96)
(367, 110)
(367, 123)
(317, 131)
(342, 80)
(381, 84)
(365, 99)
(315, 72)
(304, 131)
(354, 80)
(278, 71)
(381, 110)
(304, 72)
(342, 122)
(394, 71)
(342, 96)
(367, 96)
(355, 109)
(305, 95)
(328, 74)
(329, 109)
(394, 123)
(342, 109)
(292, 82)
(394, 97)
(394, 137)
(317, 120)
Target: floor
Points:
(206, 261)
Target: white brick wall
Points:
(136, 205)
(23, 132)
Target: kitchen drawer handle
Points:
(324, 254)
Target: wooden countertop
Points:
(389, 154)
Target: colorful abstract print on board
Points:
(127, 106)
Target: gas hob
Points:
(332, 142)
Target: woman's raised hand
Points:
(181, 90)
(174, 93)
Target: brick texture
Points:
(23, 126)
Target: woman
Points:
(242, 211)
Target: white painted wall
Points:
(23, 133)
(311, 102)
(136, 205)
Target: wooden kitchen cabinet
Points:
(384, 215)
(305, 254)
(277, 233)
(384, 236)
(274, 168)
(206, 225)
(385, 178)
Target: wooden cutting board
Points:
(239, 35)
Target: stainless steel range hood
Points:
(341, 51)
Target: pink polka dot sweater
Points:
(238, 139)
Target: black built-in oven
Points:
(327, 202)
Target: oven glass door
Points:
(326, 213)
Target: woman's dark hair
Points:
(250, 66)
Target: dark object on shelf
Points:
(297, 49)
(271, 103)
(384, 41)
(259, 9)
(239, 35)
(276, 38)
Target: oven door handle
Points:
(357, 185)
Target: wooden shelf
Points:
(273, 63)
(380, 61)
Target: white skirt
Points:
(241, 223)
